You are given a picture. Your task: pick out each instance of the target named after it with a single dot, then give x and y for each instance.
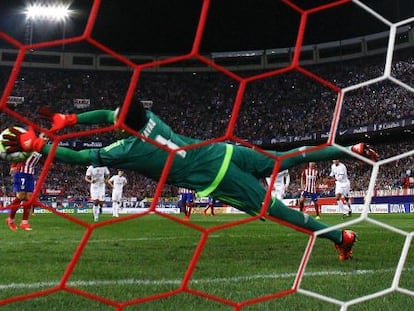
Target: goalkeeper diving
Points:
(227, 172)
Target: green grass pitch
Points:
(126, 261)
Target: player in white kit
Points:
(342, 187)
(97, 177)
(117, 183)
(280, 185)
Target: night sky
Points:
(167, 27)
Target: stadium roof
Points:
(163, 26)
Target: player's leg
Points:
(346, 193)
(181, 204)
(246, 193)
(211, 203)
(25, 218)
(189, 204)
(278, 210)
(341, 202)
(261, 166)
(209, 206)
(27, 209)
(347, 210)
(118, 207)
(188, 208)
(114, 208)
(118, 204)
(121, 203)
(18, 187)
(100, 204)
(95, 207)
(348, 203)
(343, 240)
(115, 204)
(100, 198)
(302, 201)
(206, 209)
(341, 192)
(14, 206)
(316, 205)
(185, 206)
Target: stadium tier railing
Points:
(352, 48)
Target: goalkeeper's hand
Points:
(59, 120)
(22, 141)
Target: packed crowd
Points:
(200, 105)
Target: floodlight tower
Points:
(58, 13)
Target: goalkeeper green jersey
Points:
(133, 153)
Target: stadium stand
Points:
(204, 114)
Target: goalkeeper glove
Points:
(366, 151)
(59, 120)
(22, 141)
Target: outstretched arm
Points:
(69, 156)
(136, 117)
(96, 117)
(60, 120)
(28, 141)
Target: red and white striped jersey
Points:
(28, 165)
(309, 178)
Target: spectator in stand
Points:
(106, 90)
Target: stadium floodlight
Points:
(59, 12)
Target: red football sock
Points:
(189, 208)
(14, 209)
(317, 210)
(26, 213)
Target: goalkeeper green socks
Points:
(290, 215)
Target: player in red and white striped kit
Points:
(309, 179)
(23, 175)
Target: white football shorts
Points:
(98, 192)
(343, 188)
